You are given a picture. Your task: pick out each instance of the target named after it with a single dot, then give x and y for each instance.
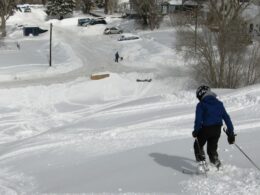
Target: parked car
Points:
(35, 31)
(97, 21)
(27, 10)
(83, 21)
(113, 30)
(126, 37)
(91, 21)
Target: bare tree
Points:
(87, 4)
(106, 6)
(149, 12)
(253, 69)
(6, 9)
(112, 5)
(222, 42)
(44, 2)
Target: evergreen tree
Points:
(60, 8)
(6, 10)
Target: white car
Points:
(113, 30)
(125, 37)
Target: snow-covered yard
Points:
(64, 133)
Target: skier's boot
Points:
(203, 167)
(216, 163)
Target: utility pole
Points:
(106, 6)
(50, 60)
(196, 25)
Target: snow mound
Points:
(231, 180)
(31, 60)
(36, 17)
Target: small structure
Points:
(123, 5)
(27, 9)
(171, 6)
(82, 21)
(35, 31)
(126, 8)
(99, 76)
(254, 26)
(165, 8)
(143, 80)
(252, 16)
(189, 5)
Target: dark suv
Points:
(90, 21)
(97, 21)
(83, 21)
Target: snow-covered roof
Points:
(129, 35)
(175, 2)
(190, 2)
(251, 12)
(256, 19)
(22, 5)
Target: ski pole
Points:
(243, 152)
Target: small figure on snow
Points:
(207, 126)
(18, 45)
(116, 56)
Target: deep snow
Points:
(64, 133)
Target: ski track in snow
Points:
(160, 120)
(156, 116)
(13, 183)
(33, 119)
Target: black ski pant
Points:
(209, 135)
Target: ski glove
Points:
(195, 133)
(231, 138)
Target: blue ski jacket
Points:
(210, 111)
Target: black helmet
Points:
(201, 91)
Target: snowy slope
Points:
(64, 133)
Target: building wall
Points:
(254, 26)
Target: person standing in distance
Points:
(116, 56)
(210, 112)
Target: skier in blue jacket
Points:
(207, 126)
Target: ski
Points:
(192, 172)
(202, 171)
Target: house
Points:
(190, 5)
(252, 16)
(123, 6)
(126, 8)
(254, 26)
(171, 6)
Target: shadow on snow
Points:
(175, 162)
